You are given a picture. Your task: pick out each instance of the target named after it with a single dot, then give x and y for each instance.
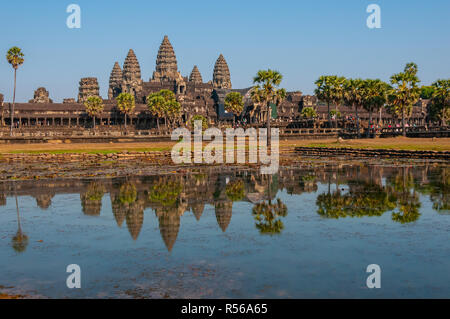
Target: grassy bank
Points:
(399, 143)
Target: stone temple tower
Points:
(88, 87)
(221, 75)
(131, 75)
(166, 63)
(115, 82)
(195, 76)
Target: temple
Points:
(196, 96)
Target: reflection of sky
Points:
(313, 257)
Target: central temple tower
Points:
(166, 63)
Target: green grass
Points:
(78, 151)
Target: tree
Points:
(199, 117)
(440, 101)
(405, 92)
(235, 190)
(324, 91)
(268, 217)
(309, 112)
(15, 58)
(266, 92)
(126, 104)
(426, 92)
(234, 103)
(20, 240)
(374, 97)
(163, 104)
(94, 106)
(337, 95)
(353, 96)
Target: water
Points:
(209, 234)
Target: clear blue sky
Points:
(301, 39)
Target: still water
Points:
(210, 234)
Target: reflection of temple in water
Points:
(172, 196)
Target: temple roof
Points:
(131, 68)
(221, 75)
(115, 79)
(166, 62)
(195, 75)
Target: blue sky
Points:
(301, 39)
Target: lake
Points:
(306, 232)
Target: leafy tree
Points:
(426, 92)
(165, 192)
(324, 91)
(374, 97)
(405, 92)
(309, 112)
(163, 104)
(266, 92)
(234, 103)
(337, 95)
(126, 104)
(94, 106)
(199, 117)
(14, 56)
(127, 193)
(440, 102)
(335, 114)
(353, 96)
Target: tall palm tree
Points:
(374, 97)
(405, 92)
(353, 96)
(440, 100)
(126, 104)
(234, 104)
(324, 91)
(266, 92)
(337, 95)
(15, 58)
(94, 106)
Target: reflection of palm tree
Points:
(408, 201)
(2, 199)
(165, 192)
(91, 199)
(363, 199)
(267, 216)
(235, 190)
(121, 202)
(20, 240)
(44, 200)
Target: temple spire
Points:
(166, 62)
(131, 68)
(115, 81)
(221, 75)
(195, 76)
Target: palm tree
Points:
(353, 96)
(15, 58)
(126, 104)
(266, 92)
(337, 95)
(94, 106)
(374, 97)
(164, 104)
(234, 103)
(324, 91)
(405, 92)
(440, 100)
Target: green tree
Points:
(268, 217)
(163, 104)
(126, 104)
(337, 95)
(309, 112)
(235, 190)
(94, 106)
(440, 101)
(353, 96)
(199, 117)
(15, 58)
(324, 91)
(374, 97)
(234, 103)
(405, 92)
(266, 91)
(426, 92)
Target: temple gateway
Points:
(196, 97)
